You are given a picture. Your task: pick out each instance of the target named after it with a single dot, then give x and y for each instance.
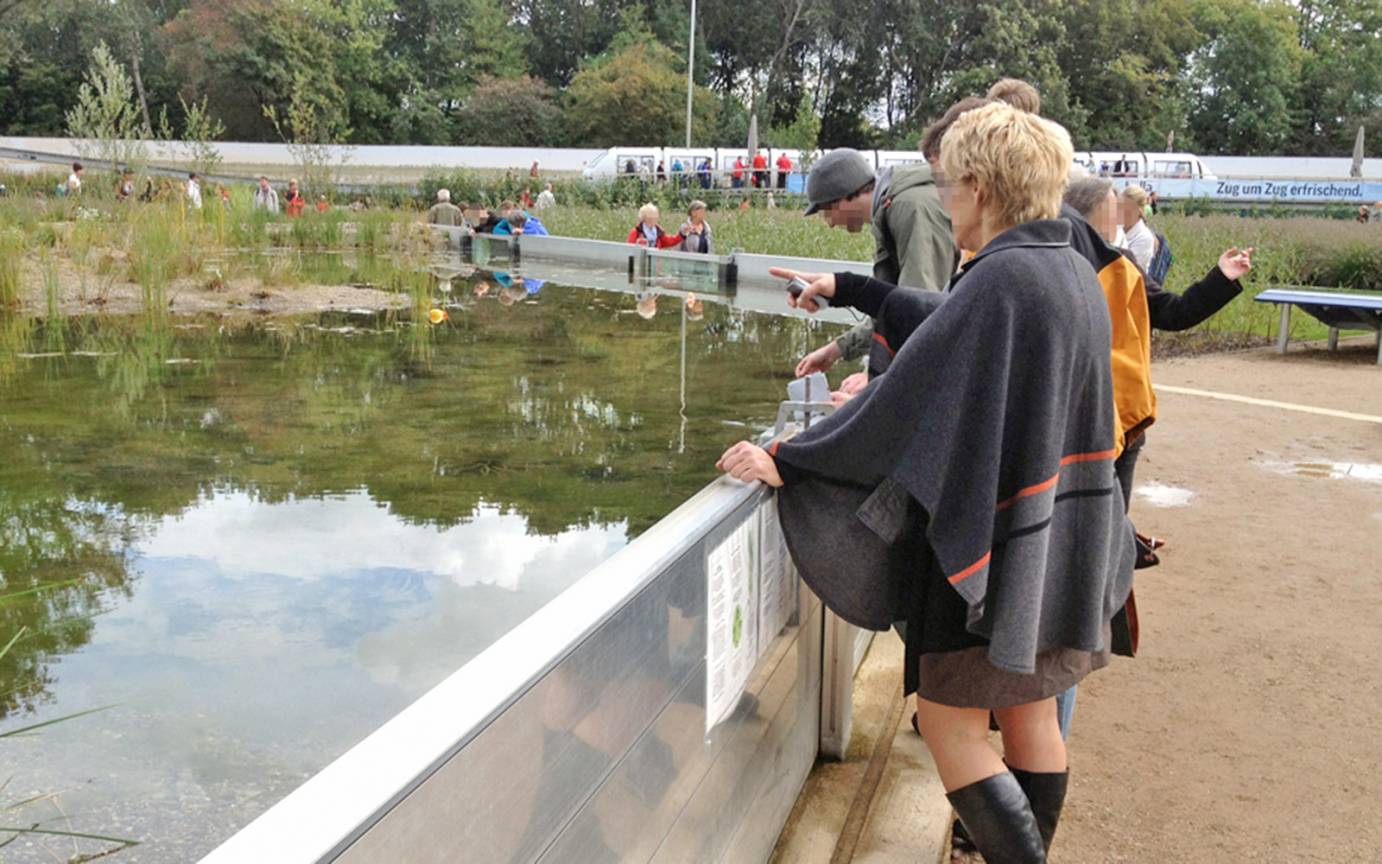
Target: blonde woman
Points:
(649, 233)
(995, 528)
(1138, 240)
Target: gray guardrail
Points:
(739, 279)
(584, 734)
(581, 735)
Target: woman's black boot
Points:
(999, 820)
(1046, 794)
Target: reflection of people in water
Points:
(511, 294)
(522, 286)
(646, 307)
(695, 307)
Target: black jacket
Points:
(898, 311)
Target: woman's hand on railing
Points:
(749, 462)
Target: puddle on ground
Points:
(1161, 495)
(1366, 472)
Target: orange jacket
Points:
(1126, 293)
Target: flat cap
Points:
(839, 174)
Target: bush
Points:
(511, 112)
(1299, 251)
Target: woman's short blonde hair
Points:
(647, 210)
(1020, 160)
(1136, 194)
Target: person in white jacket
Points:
(265, 197)
(194, 191)
(1139, 241)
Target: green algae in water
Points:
(266, 538)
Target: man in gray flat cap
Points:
(913, 243)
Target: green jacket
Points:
(913, 244)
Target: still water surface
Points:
(260, 540)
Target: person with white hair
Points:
(444, 212)
(648, 231)
(545, 198)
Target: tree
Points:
(1341, 72)
(312, 122)
(199, 131)
(803, 133)
(106, 120)
(212, 54)
(1126, 72)
(491, 47)
(635, 96)
(1245, 78)
(515, 112)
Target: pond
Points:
(258, 539)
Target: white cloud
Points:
(313, 539)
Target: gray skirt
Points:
(966, 679)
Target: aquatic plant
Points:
(11, 254)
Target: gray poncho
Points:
(996, 420)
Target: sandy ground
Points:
(1248, 728)
(85, 291)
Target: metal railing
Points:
(582, 733)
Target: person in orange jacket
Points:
(293, 202)
(649, 233)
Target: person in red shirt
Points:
(738, 176)
(323, 205)
(760, 170)
(784, 167)
(649, 233)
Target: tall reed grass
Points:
(12, 249)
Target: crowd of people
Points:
(754, 173)
(972, 487)
(265, 198)
(508, 219)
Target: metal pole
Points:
(681, 437)
(690, 70)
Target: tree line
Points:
(1293, 77)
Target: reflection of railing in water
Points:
(639, 262)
